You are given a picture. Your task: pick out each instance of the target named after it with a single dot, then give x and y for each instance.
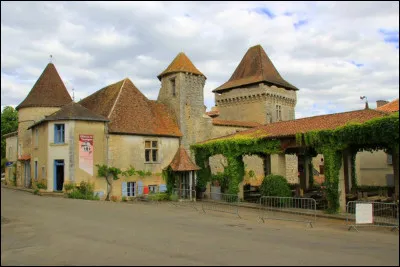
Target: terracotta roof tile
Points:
(130, 112)
(390, 107)
(182, 161)
(213, 113)
(72, 111)
(248, 124)
(255, 67)
(322, 122)
(25, 157)
(181, 63)
(48, 91)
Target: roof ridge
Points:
(116, 100)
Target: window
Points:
(152, 188)
(36, 137)
(267, 165)
(43, 172)
(36, 171)
(59, 133)
(130, 189)
(151, 151)
(173, 87)
(389, 159)
(278, 113)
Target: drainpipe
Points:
(107, 137)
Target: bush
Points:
(124, 199)
(173, 197)
(69, 186)
(84, 191)
(275, 185)
(158, 197)
(41, 184)
(36, 192)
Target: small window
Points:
(130, 189)
(152, 188)
(278, 113)
(151, 151)
(173, 88)
(389, 159)
(59, 133)
(36, 137)
(36, 170)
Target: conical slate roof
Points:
(181, 63)
(182, 161)
(48, 91)
(130, 112)
(255, 67)
(72, 111)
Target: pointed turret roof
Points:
(130, 112)
(255, 67)
(72, 111)
(181, 63)
(48, 91)
(182, 161)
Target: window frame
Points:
(59, 133)
(36, 137)
(278, 109)
(36, 170)
(151, 150)
(173, 86)
(130, 193)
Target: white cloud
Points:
(98, 43)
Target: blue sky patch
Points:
(300, 23)
(390, 36)
(288, 14)
(264, 11)
(358, 65)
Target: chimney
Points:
(380, 103)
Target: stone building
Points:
(124, 128)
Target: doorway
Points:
(27, 175)
(58, 174)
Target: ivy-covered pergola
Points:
(337, 136)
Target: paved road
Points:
(55, 231)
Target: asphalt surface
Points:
(37, 230)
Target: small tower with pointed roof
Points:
(182, 86)
(256, 91)
(47, 96)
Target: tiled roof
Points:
(255, 67)
(182, 161)
(248, 124)
(48, 91)
(25, 157)
(213, 113)
(130, 112)
(390, 107)
(181, 63)
(72, 111)
(322, 122)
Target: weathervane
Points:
(51, 58)
(366, 101)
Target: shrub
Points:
(173, 197)
(124, 199)
(41, 184)
(275, 185)
(84, 191)
(36, 192)
(158, 197)
(69, 186)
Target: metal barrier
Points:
(183, 197)
(227, 203)
(370, 213)
(288, 209)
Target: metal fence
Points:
(220, 202)
(183, 197)
(288, 209)
(370, 213)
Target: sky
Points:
(334, 52)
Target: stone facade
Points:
(259, 103)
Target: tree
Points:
(108, 172)
(9, 124)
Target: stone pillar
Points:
(342, 186)
(278, 164)
(307, 162)
(190, 184)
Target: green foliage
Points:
(223, 180)
(158, 197)
(353, 170)
(275, 185)
(69, 186)
(174, 197)
(36, 191)
(333, 163)
(144, 173)
(9, 124)
(169, 177)
(252, 174)
(3, 163)
(232, 148)
(85, 190)
(311, 174)
(124, 199)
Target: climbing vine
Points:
(233, 148)
(333, 162)
(169, 178)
